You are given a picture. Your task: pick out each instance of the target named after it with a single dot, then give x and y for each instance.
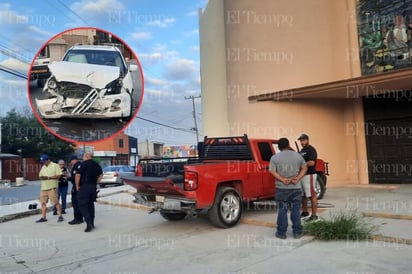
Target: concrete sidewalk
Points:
(388, 207)
(127, 238)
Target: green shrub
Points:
(341, 226)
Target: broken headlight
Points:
(114, 87)
(52, 83)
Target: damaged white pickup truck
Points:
(90, 82)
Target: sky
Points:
(163, 34)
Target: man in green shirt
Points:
(49, 175)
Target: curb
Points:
(368, 186)
(387, 215)
(14, 216)
(394, 240)
(133, 206)
(249, 221)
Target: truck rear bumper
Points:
(159, 202)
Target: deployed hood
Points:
(97, 76)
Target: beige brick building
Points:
(279, 68)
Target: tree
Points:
(22, 132)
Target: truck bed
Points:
(171, 185)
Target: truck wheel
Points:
(320, 185)
(226, 209)
(172, 216)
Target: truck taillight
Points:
(139, 170)
(190, 181)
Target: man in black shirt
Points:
(310, 155)
(78, 217)
(62, 188)
(88, 176)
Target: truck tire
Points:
(320, 185)
(227, 208)
(172, 216)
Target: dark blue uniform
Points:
(89, 172)
(78, 217)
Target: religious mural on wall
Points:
(385, 35)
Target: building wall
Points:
(148, 149)
(270, 46)
(112, 144)
(57, 49)
(14, 168)
(213, 69)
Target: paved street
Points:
(27, 192)
(128, 240)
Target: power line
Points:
(72, 11)
(13, 54)
(163, 125)
(15, 45)
(13, 72)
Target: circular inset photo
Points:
(85, 85)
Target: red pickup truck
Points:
(229, 172)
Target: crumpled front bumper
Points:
(100, 108)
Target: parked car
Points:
(91, 81)
(112, 174)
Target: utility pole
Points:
(1, 171)
(194, 115)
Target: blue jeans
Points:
(62, 192)
(288, 199)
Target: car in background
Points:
(112, 174)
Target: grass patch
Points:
(341, 226)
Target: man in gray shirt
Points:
(288, 167)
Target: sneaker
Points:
(41, 220)
(312, 218)
(298, 235)
(304, 215)
(280, 236)
(60, 219)
(54, 212)
(88, 229)
(63, 212)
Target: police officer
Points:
(78, 217)
(87, 177)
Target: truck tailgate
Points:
(170, 185)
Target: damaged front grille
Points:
(73, 90)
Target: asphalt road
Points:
(27, 192)
(16, 194)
